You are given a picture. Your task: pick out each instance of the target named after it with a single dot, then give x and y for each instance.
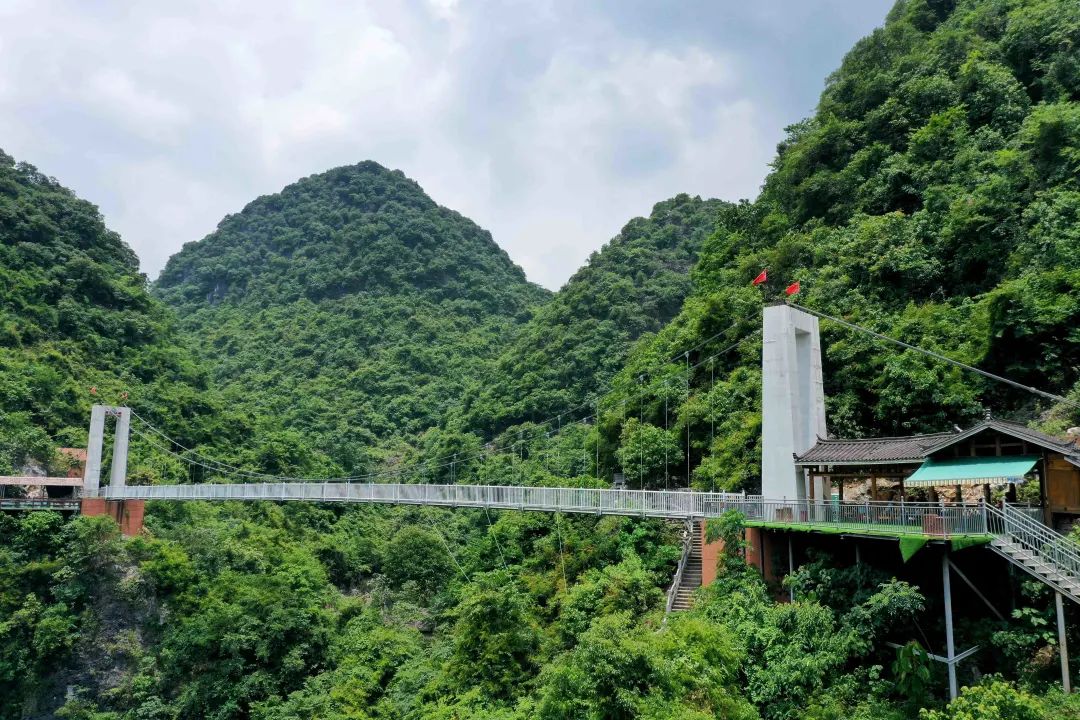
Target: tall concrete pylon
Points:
(95, 445)
(792, 399)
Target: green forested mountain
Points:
(633, 285)
(349, 306)
(934, 196)
(75, 314)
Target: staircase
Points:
(688, 576)
(1045, 554)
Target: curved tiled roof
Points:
(915, 448)
(910, 449)
(1035, 437)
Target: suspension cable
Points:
(495, 537)
(447, 546)
(489, 449)
(939, 356)
(562, 555)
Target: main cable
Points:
(938, 356)
(489, 448)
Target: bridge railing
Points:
(892, 518)
(64, 504)
(653, 503)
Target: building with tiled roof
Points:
(992, 453)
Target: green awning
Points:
(973, 471)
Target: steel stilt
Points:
(950, 648)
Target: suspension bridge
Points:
(796, 466)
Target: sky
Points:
(549, 123)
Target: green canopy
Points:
(973, 470)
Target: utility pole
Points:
(641, 435)
(597, 406)
(667, 469)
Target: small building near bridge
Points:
(999, 458)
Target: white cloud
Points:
(138, 110)
(549, 123)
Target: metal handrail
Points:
(903, 518)
(10, 503)
(1062, 553)
(687, 545)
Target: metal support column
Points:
(94, 444)
(118, 479)
(950, 647)
(1063, 648)
(790, 564)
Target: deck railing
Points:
(1055, 550)
(1032, 512)
(63, 504)
(912, 518)
(651, 503)
(892, 518)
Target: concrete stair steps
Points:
(691, 578)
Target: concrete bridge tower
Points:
(127, 513)
(792, 400)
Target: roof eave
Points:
(857, 463)
(1026, 434)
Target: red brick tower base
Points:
(710, 556)
(759, 552)
(128, 514)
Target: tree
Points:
(992, 700)
(416, 555)
(646, 452)
(495, 637)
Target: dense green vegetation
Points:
(935, 197)
(300, 612)
(74, 315)
(350, 324)
(350, 306)
(78, 326)
(574, 344)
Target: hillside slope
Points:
(634, 285)
(75, 314)
(349, 305)
(934, 196)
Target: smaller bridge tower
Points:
(96, 443)
(127, 513)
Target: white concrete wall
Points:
(792, 399)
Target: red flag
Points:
(792, 288)
(762, 277)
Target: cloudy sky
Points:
(549, 123)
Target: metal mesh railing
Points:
(10, 503)
(893, 518)
(651, 503)
(904, 518)
(1054, 550)
(688, 543)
